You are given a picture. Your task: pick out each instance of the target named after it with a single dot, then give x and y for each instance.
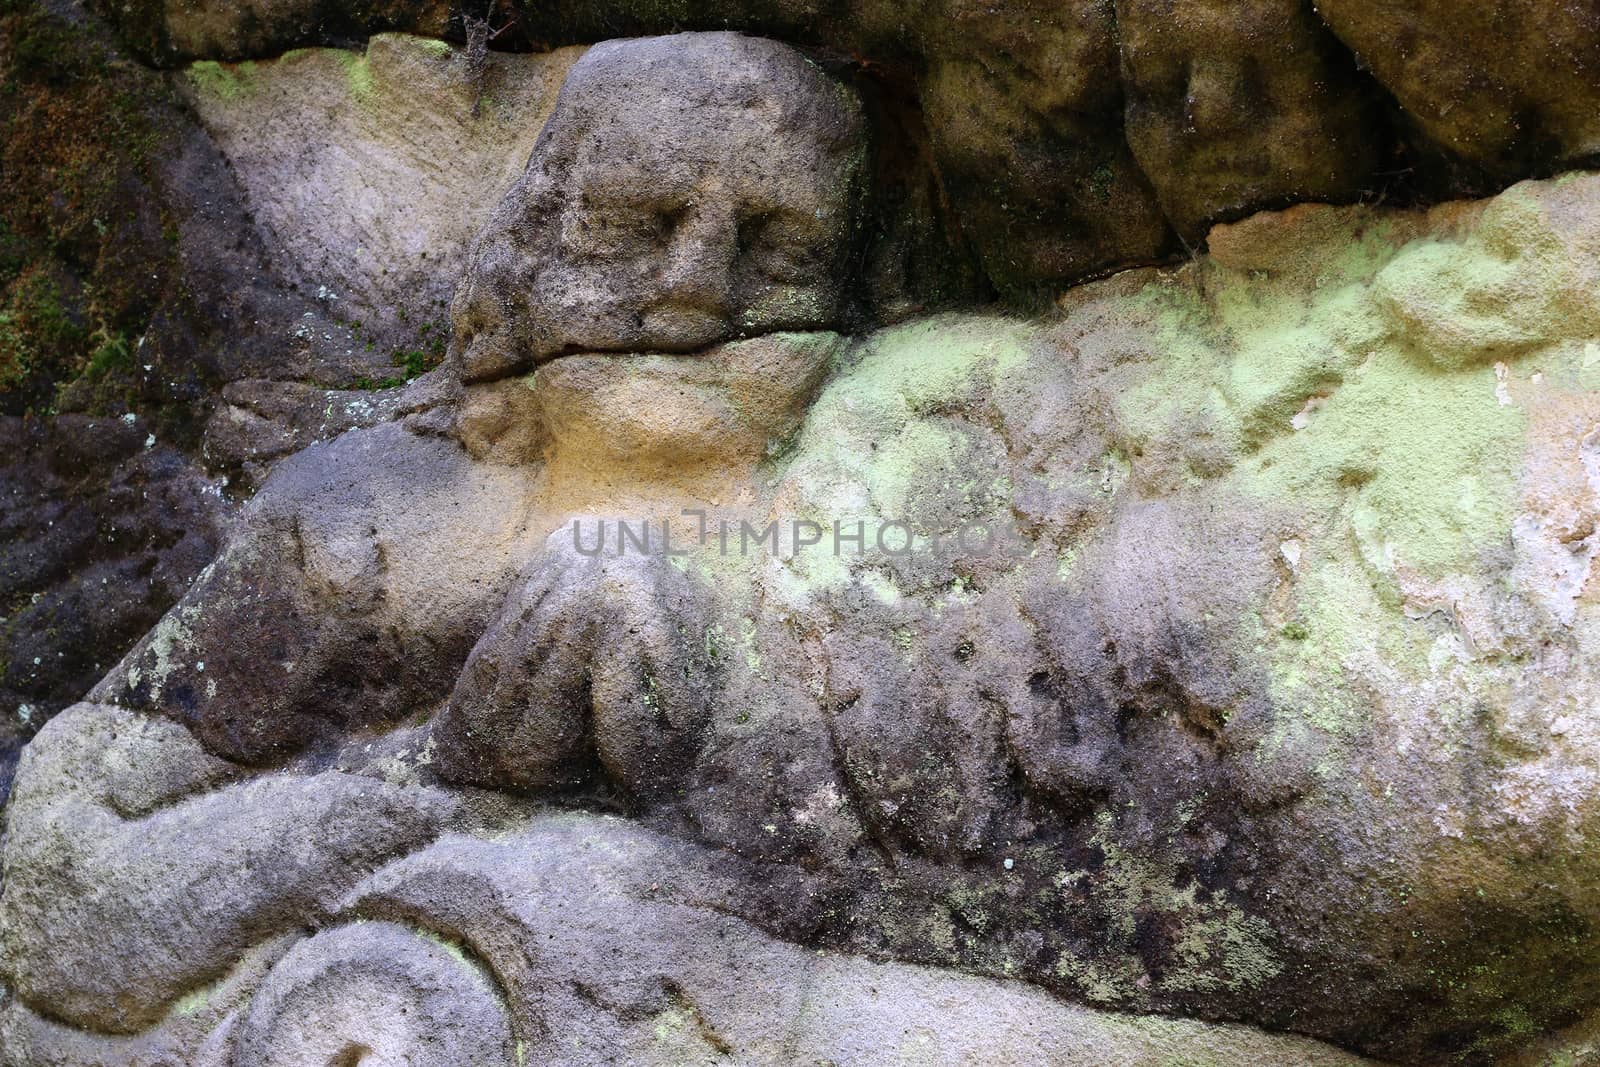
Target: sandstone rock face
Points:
(1498, 83)
(474, 949)
(169, 32)
(1229, 108)
(411, 565)
(260, 421)
(132, 276)
(1233, 106)
(635, 629)
(111, 808)
(723, 682)
(102, 528)
(133, 285)
(374, 171)
(1023, 105)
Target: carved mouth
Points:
(487, 357)
(679, 327)
(664, 329)
(655, 347)
(642, 349)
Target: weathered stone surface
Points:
(102, 528)
(698, 982)
(375, 990)
(130, 880)
(365, 569)
(373, 171)
(138, 275)
(1229, 108)
(441, 932)
(1021, 103)
(1507, 84)
(1232, 107)
(634, 629)
(1024, 104)
(1522, 264)
(607, 418)
(260, 422)
(1576, 1044)
(131, 275)
(170, 32)
(232, 314)
(1161, 711)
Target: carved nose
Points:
(699, 270)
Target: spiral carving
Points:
(371, 994)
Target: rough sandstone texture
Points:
(134, 285)
(481, 946)
(152, 287)
(1500, 84)
(170, 32)
(1013, 148)
(102, 528)
(134, 274)
(1231, 107)
(1271, 705)
(1228, 107)
(374, 170)
(1024, 107)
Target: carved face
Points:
(1245, 102)
(687, 191)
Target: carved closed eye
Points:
(781, 246)
(631, 227)
(616, 231)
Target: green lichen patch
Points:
(1214, 944)
(83, 249)
(226, 81)
(899, 436)
(358, 75)
(1504, 288)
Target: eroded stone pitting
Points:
(1270, 708)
